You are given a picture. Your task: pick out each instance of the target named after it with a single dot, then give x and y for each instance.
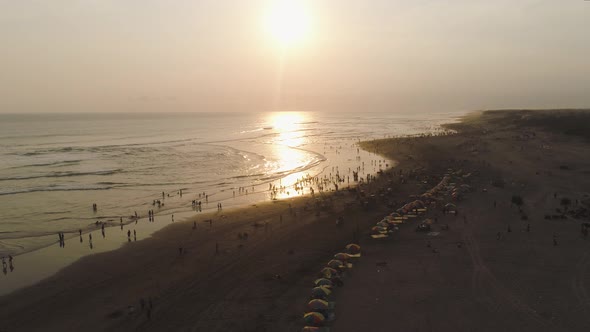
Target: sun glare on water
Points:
(288, 22)
(287, 145)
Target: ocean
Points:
(54, 167)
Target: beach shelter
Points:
(319, 304)
(323, 282)
(335, 264)
(353, 249)
(320, 292)
(314, 318)
(342, 256)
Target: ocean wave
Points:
(251, 131)
(101, 148)
(55, 163)
(62, 174)
(46, 189)
(18, 235)
(247, 176)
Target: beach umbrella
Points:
(353, 249)
(319, 304)
(342, 256)
(320, 292)
(314, 318)
(323, 282)
(335, 263)
(382, 224)
(389, 220)
(328, 272)
(315, 329)
(379, 229)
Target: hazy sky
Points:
(213, 55)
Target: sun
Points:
(288, 22)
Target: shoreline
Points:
(224, 282)
(38, 264)
(33, 217)
(224, 233)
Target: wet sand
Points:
(520, 283)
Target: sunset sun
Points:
(288, 22)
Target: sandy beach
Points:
(493, 268)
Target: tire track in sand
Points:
(578, 286)
(489, 291)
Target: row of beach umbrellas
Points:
(319, 307)
(419, 206)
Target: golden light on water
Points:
(287, 147)
(288, 124)
(288, 22)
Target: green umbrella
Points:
(342, 256)
(320, 292)
(319, 304)
(323, 282)
(314, 318)
(328, 272)
(335, 264)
